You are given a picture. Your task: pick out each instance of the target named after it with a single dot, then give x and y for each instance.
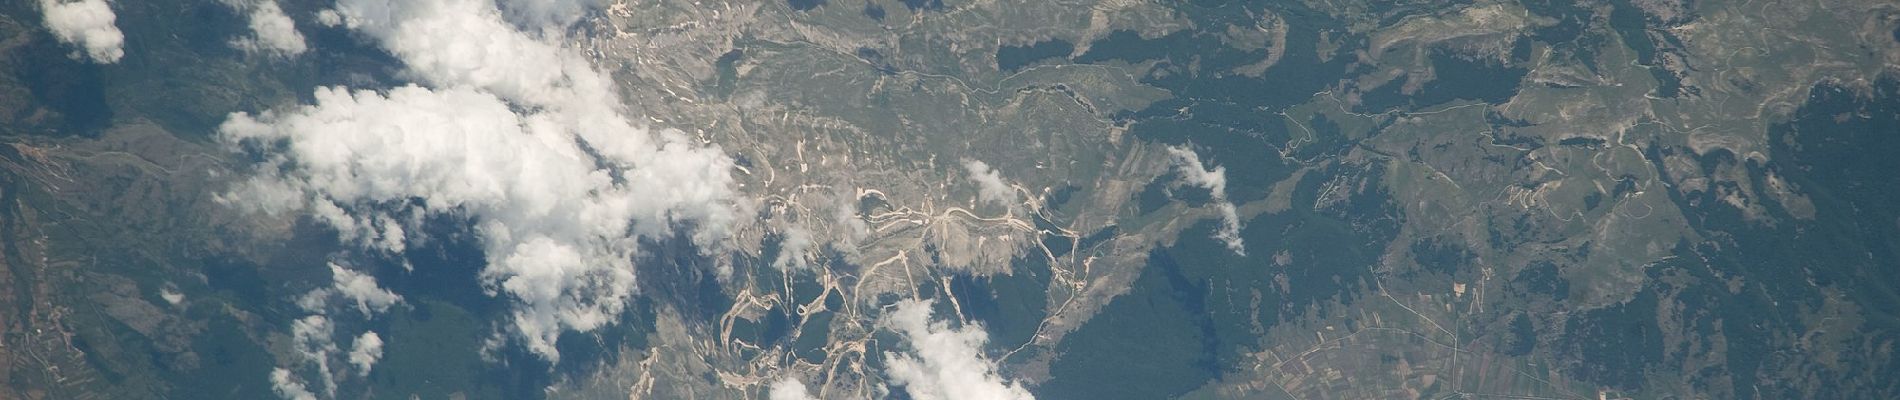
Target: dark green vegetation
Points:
(1455, 77)
(1011, 58)
(804, 5)
(1158, 334)
(433, 350)
(1198, 309)
(1009, 306)
(1727, 303)
(1231, 118)
(1838, 148)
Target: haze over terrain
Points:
(949, 199)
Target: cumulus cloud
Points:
(794, 242)
(1188, 164)
(313, 337)
(364, 353)
(851, 227)
(789, 389)
(944, 363)
(288, 387)
(172, 297)
(362, 289)
(519, 135)
(272, 32)
(310, 338)
(89, 24)
(461, 43)
(989, 182)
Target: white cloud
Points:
(1192, 171)
(521, 136)
(456, 43)
(288, 387)
(88, 24)
(313, 339)
(364, 353)
(310, 338)
(1229, 233)
(850, 227)
(362, 289)
(794, 242)
(1215, 181)
(989, 182)
(329, 17)
(944, 363)
(272, 32)
(172, 297)
(789, 389)
(315, 300)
